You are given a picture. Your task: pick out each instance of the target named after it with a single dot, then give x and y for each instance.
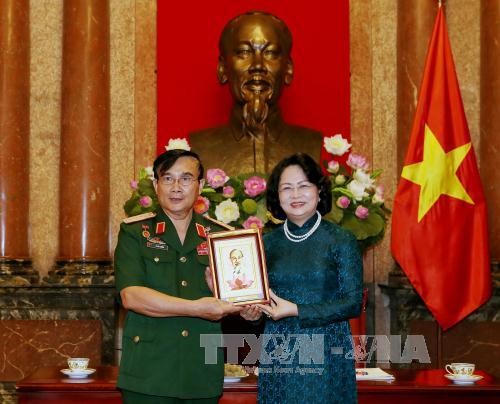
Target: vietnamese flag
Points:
(439, 225)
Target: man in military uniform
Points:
(160, 265)
(255, 61)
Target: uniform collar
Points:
(170, 236)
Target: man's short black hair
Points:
(166, 160)
(314, 175)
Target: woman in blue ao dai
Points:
(315, 273)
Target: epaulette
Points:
(218, 222)
(138, 218)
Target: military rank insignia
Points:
(200, 229)
(160, 227)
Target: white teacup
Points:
(460, 369)
(78, 363)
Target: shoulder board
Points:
(219, 223)
(138, 218)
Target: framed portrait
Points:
(238, 266)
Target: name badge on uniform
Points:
(155, 242)
(202, 248)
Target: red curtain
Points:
(189, 95)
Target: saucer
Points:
(232, 379)
(463, 379)
(78, 374)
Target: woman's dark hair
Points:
(314, 175)
(166, 160)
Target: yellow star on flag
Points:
(436, 173)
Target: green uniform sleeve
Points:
(129, 265)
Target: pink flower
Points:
(133, 184)
(362, 212)
(228, 192)
(357, 161)
(201, 205)
(333, 167)
(343, 202)
(216, 177)
(254, 186)
(145, 201)
(253, 222)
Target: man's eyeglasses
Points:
(184, 181)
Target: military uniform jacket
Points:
(163, 356)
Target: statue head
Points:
(255, 61)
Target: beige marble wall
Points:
(45, 117)
(122, 68)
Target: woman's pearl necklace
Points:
(298, 239)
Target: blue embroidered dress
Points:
(308, 359)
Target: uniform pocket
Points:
(160, 270)
(138, 344)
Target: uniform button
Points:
(136, 339)
(183, 259)
(156, 259)
(184, 283)
(184, 333)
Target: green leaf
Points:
(372, 226)
(335, 215)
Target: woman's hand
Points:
(279, 308)
(251, 313)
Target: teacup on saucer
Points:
(463, 379)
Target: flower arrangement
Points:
(358, 202)
(240, 201)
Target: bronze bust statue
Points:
(255, 61)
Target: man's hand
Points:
(251, 313)
(214, 309)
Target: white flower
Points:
(336, 145)
(340, 179)
(378, 197)
(227, 211)
(363, 177)
(357, 189)
(149, 172)
(178, 143)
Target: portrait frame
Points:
(238, 266)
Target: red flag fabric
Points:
(439, 225)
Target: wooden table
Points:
(411, 386)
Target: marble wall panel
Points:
(122, 145)
(45, 110)
(27, 344)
